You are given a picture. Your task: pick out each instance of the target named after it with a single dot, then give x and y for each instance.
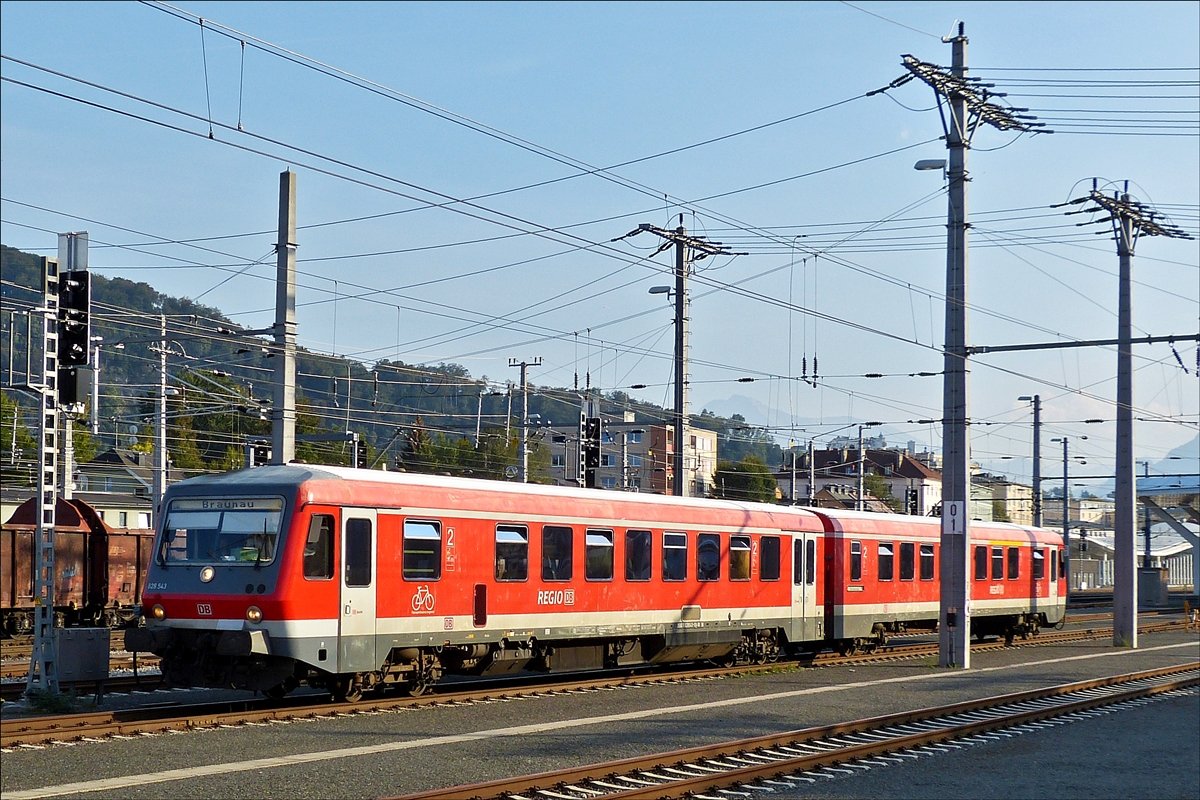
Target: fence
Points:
(1090, 573)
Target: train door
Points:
(1050, 571)
(356, 623)
(807, 614)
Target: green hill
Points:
(423, 415)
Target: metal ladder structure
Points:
(43, 664)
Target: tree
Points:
(748, 479)
(879, 488)
(999, 512)
(83, 442)
(17, 463)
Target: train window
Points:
(769, 569)
(1062, 564)
(556, 553)
(598, 555)
(810, 562)
(512, 553)
(1039, 564)
(907, 557)
(198, 534)
(318, 548)
(981, 563)
(358, 552)
(708, 557)
(1053, 564)
(739, 558)
(422, 550)
(638, 555)
(927, 565)
(798, 561)
(887, 560)
(856, 561)
(1014, 563)
(674, 557)
(997, 563)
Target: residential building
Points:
(1009, 502)
(904, 475)
(637, 457)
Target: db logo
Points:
(422, 601)
(204, 609)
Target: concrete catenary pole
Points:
(1125, 590)
(283, 407)
(812, 472)
(859, 503)
(1037, 462)
(681, 343)
(1066, 522)
(523, 461)
(954, 616)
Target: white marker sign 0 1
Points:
(954, 516)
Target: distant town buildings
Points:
(637, 457)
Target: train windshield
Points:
(240, 532)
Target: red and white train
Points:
(350, 579)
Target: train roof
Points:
(287, 479)
(863, 521)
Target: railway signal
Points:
(591, 450)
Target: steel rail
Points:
(776, 757)
(28, 731)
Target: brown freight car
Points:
(98, 569)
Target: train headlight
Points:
(207, 574)
(158, 612)
(254, 614)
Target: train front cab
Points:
(220, 595)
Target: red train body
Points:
(98, 569)
(349, 579)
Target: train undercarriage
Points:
(228, 659)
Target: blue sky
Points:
(604, 84)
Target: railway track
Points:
(14, 667)
(37, 731)
(789, 760)
(117, 660)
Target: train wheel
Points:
(346, 689)
(282, 690)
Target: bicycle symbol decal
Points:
(422, 601)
